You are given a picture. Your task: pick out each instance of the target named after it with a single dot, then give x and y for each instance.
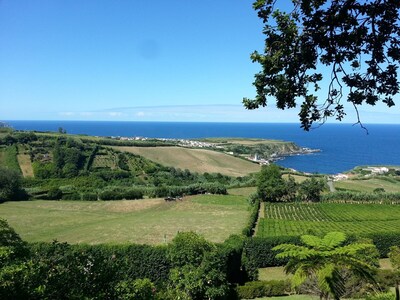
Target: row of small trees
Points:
(272, 187)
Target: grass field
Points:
(243, 191)
(297, 178)
(368, 185)
(150, 221)
(8, 158)
(319, 218)
(196, 160)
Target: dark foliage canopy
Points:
(357, 40)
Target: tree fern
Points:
(324, 259)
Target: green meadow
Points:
(148, 221)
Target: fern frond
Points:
(311, 240)
(299, 277)
(333, 239)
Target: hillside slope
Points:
(196, 160)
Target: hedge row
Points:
(248, 230)
(121, 262)
(258, 289)
(349, 197)
(383, 241)
(257, 253)
(138, 192)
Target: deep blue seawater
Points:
(343, 146)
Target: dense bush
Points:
(232, 249)
(62, 271)
(72, 196)
(258, 289)
(89, 197)
(188, 248)
(120, 194)
(54, 193)
(10, 186)
(383, 241)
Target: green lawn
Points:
(150, 221)
(320, 218)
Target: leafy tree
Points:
(325, 260)
(13, 269)
(357, 40)
(291, 189)
(394, 256)
(271, 186)
(310, 189)
(200, 268)
(10, 185)
(188, 248)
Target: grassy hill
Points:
(196, 160)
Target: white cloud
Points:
(214, 113)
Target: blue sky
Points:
(135, 60)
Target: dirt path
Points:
(261, 214)
(25, 164)
(331, 187)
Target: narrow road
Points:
(331, 187)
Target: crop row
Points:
(297, 219)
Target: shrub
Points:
(71, 196)
(89, 196)
(110, 195)
(132, 194)
(188, 248)
(257, 289)
(54, 193)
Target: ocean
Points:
(342, 146)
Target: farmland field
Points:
(368, 185)
(149, 221)
(196, 160)
(319, 218)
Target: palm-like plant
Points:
(325, 260)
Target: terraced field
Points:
(319, 218)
